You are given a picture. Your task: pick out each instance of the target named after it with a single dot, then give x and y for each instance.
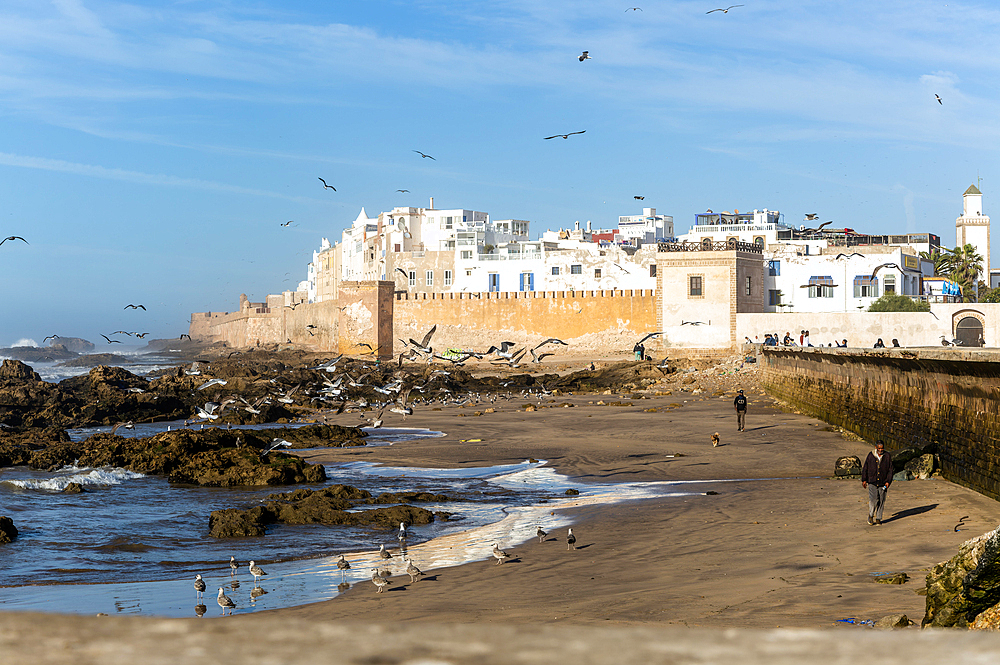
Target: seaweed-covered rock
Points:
(8, 532)
(960, 589)
(847, 466)
(233, 523)
(922, 467)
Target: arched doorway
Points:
(969, 331)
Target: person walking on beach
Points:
(740, 404)
(876, 475)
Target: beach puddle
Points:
(156, 532)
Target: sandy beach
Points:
(781, 544)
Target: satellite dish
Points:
(399, 225)
(406, 234)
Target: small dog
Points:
(715, 440)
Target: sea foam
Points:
(59, 483)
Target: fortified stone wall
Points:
(260, 326)
(945, 397)
(604, 321)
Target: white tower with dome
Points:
(973, 227)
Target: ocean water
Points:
(132, 544)
(139, 361)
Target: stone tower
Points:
(973, 227)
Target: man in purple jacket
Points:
(876, 475)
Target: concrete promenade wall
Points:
(906, 397)
(863, 328)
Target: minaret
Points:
(973, 228)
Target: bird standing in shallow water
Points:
(233, 566)
(570, 540)
(402, 531)
(384, 553)
(225, 602)
(256, 571)
(199, 585)
(344, 566)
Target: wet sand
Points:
(780, 545)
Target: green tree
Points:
(993, 295)
(965, 266)
(893, 302)
(942, 261)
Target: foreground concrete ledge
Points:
(950, 353)
(42, 638)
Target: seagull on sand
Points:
(565, 136)
(225, 602)
(199, 585)
(379, 581)
(570, 540)
(499, 554)
(541, 534)
(384, 553)
(233, 566)
(344, 565)
(14, 238)
(585, 56)
(412, 571)
(327, 186)
(256, 571)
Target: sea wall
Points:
(604, 321)
(945, 397)
(314, 325)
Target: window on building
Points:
(447, 278)
(413, 278)
(429, 278)
(448, 222)
(774, 297)
(466, 253)
(774, 268)
(759, 241)
(468, 273)
(597, 272)
(821, 286)
(749, 282)
(652, 270)
(396, 246)
(555, 270)
(695, 288)
(576, 269)
(865, 286)
(889, 284)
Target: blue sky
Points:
(150, 151)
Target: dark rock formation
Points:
(73, 344)
(847, 466)
(329, 506)
(921, 467)
(968, 584)
(8, 532)
(73, 488)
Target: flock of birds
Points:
(379, 576)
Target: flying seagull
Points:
(111, 341)
(423, 155)
(633, 9)
(584, 56)
(131, 306)
(403, 191)
(327, 186)
(50, 337)
(400, 270)
(639, 198)
(288, 222)
(655, 334)
(724, 11)
(564, 136)
(884, 265)
(14, 238)
(939, 100)
(811, 217)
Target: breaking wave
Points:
(80, 476)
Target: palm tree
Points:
(964, 266)
(941, 260)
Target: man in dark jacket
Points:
(740, 404)
(876, 475)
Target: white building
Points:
(839, 280)
(647, 227)
(760, 227)
(973, 227)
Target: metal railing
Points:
(707, 245)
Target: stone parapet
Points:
(948, 400)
